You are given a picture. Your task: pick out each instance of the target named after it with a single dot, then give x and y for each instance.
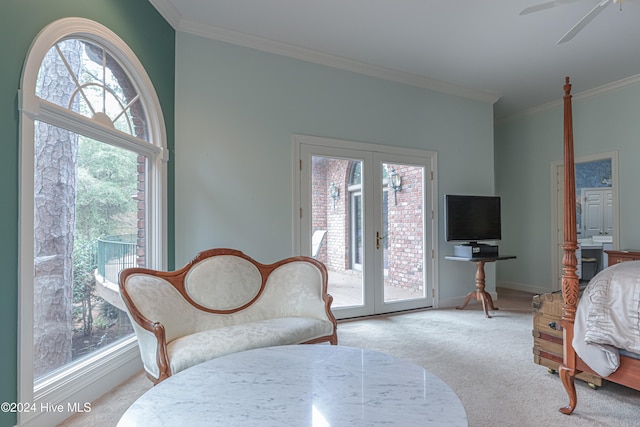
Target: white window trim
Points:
(94, 376)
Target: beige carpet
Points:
(487, 362)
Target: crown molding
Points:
(334, 61)
(609, 87)
(168, 12)
(600, 90)
(175, 19)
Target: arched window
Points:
(92, 173)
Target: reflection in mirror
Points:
(594, 198)
(596, 213)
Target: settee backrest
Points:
(223, 283)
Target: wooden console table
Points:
(480, 294)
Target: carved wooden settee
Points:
(223, 302)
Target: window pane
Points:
(89, 223)
(78, 75)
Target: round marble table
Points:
(300, 385)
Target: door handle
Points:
(378, 238)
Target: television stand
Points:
(480, 294)
(475, 250)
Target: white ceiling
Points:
(481, 49)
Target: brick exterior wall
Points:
(329, 215)
(141, 216)
(405, 230)
(139, 130)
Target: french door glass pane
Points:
(403, 226)
(337, 221)
(89, 223)
(356, 231)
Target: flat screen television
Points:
(472, 218)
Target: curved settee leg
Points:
(567, 377)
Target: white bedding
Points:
(608, 317)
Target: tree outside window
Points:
(89, 205)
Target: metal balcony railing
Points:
(116, 253)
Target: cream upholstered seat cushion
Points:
(199, 347)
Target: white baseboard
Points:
(524, 287)
(456, 301)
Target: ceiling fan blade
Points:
(545, 6)
(584, 21)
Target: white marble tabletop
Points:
(301, 385)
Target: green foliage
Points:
(106, 180)
(84, 264)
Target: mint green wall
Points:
(525, 149)
(236, 111)
(153, 41)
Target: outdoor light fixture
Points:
(395, 181)
(334, 192)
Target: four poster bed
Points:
(602, 333)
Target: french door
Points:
(366, 213)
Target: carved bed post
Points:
(570, 283)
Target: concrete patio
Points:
(346, 289)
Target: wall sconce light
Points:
(395, 181)
(334, 192)
(606, 180)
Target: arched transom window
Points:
(83, 77)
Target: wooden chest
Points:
(616, 257)
(547, 334)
